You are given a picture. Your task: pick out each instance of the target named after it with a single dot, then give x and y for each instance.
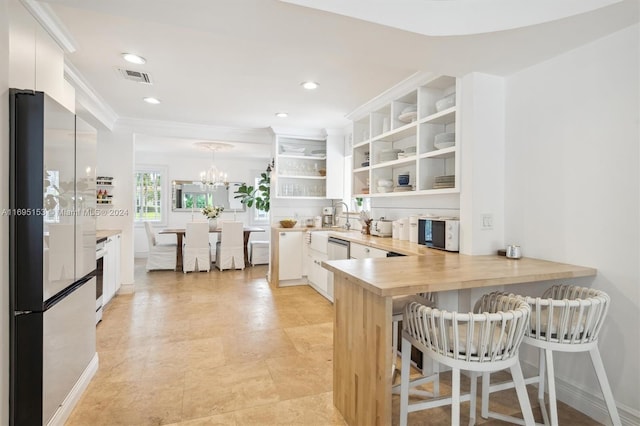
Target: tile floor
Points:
(223, 348)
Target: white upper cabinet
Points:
(408, 144)
(301, 167)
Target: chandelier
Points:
(213, 177)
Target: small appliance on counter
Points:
(439, 233)
(382, 228)
(328, 214)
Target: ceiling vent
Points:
(137, 76)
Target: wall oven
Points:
(100, 252)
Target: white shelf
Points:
(301, 177)
(440, 153)
(393, 163)
(443, 117)
(303, 157)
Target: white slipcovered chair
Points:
(565, 319)
(484, 341)
(161, 256)
(196, 254)
(230, 248)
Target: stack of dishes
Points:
(408, 114)
(446, 102)
(444, 140)
(292, 149)
(447, 181)
(319, 152)
(366, 159)
(385, 185)
(389, 154)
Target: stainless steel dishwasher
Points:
(337, 249)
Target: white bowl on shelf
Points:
(384, 189)
(387, 183)
(444, 140)
(446, 102)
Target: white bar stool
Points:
(399, 303)
(482, 342)
(566, 319)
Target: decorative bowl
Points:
(322, 172)
(288, 223)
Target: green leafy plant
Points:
(259, 196)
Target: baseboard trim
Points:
(592, 405)
(127, 289)
(69, 403)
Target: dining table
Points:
(180, 232)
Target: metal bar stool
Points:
(484, 341)
(566, 319)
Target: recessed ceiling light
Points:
(134, 59)
(153, 101)
(282, 114)
(310, 85)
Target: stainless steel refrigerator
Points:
(52, 237)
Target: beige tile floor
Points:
(223, 348)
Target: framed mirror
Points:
(192, 195)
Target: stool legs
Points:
(521, 390)
(604, 385)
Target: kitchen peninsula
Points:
(363, 291)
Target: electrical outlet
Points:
(487, 222)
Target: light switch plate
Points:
(487, 221)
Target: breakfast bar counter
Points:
(363, 291)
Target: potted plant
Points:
(259, 196)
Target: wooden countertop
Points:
(103, 234)
(388, 244)
(442, 271)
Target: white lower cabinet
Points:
(111, 277)
(290, 255)
(318, 276)
(359, 251)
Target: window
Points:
(259, 215)
(149, 195)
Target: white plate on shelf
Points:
(442, 145)
(408, 117)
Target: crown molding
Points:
(196, 131)
(51, 23)
(89, 98)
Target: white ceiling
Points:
(235, 63)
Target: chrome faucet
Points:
(347, 225)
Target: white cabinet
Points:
(290, 255)
(301, 167)
(111, 275)
(318, 277)
(404, 136)
(359, 251)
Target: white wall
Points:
(4, 223)
(572, 192)
(188, 167)
(116, 158)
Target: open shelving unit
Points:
(408, 123)
(301, 167)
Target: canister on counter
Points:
(413, 229)
(404, 229)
